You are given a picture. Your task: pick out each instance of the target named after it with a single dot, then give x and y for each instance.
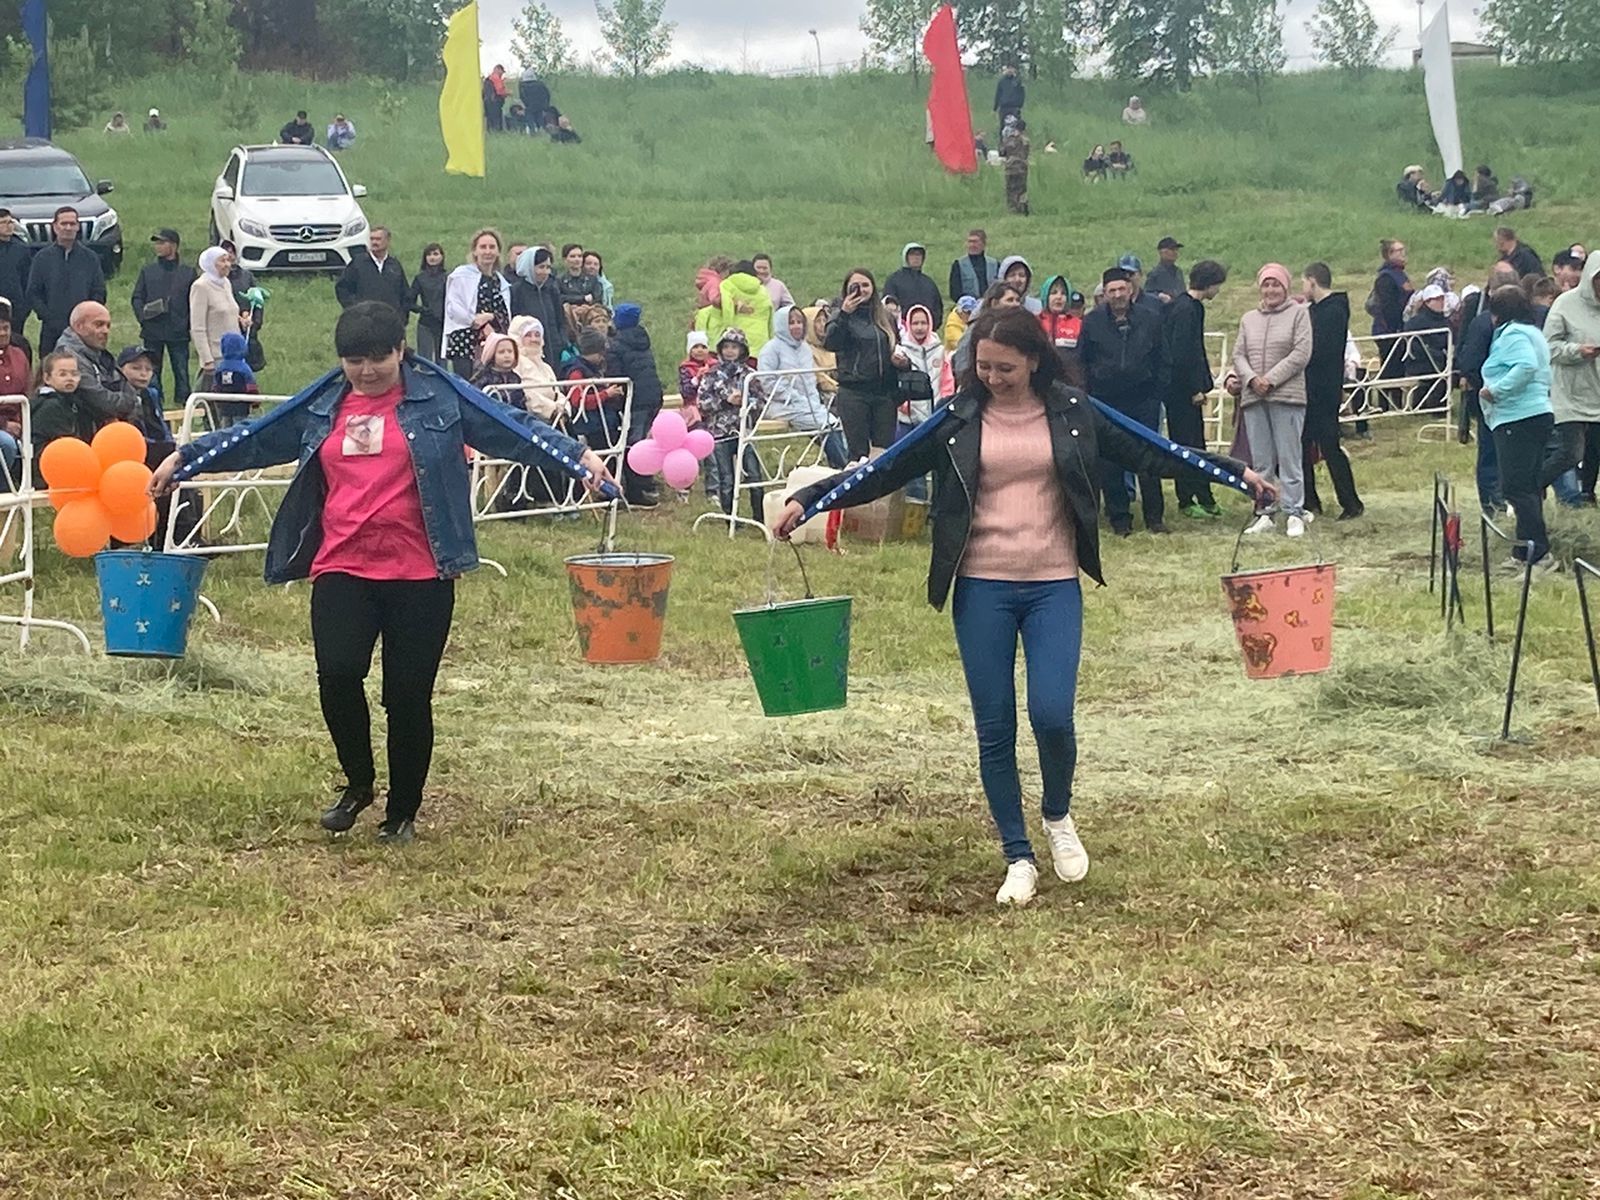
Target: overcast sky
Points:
(773, 38)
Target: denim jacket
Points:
(438, 424)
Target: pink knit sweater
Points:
(1020, 529)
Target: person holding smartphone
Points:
(865, 343)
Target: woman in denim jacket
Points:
(379, 516)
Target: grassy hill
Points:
(830, 174)
(1336, 943)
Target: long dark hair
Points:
(876, 312)
(1018, 330)
(429, 249)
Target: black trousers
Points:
(1113, 485)
(1321, 436)
(1186, 425)
(1571, 444)
(1520, 448)
(869, 419)
(348, 616)
(177, 355)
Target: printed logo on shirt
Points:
(363, 436)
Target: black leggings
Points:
(348, 615)
(868, 417)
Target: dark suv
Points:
(36, 178)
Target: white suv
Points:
(287, 208)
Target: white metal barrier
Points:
(1425, 393)
(503, 490)
(232, 493)
(807, 446)
(18, 498)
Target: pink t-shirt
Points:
(1020, 527)
(372, 519)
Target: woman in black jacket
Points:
(1015, 522)
(862, 336)
(427, 301)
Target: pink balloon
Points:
(700, 443)
(668, 430)
(645, 457)
(680, 469)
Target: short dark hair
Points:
(1319, 274)
(766, 258)
(1207, 273)
(997, 289)
(1565, 258)
(570, 247)
(1019, 330)
(300, 115)
(369, 329)
(65, 208)
(978, 233)
(743, 267)
(1510, 303)
(1505, 233)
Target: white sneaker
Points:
(1022, 881)
(1308, 516)
(1066, 850)
(1296, 527)
(1262, 524)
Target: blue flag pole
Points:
(36, 90)
(928, 428)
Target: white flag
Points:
(1439, 80)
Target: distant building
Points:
(1466, 52)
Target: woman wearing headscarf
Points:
(477, 302)
(1269, 361)
(540, 396)
(537, 294)
(213, 311)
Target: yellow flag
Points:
(461, 98)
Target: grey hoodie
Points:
(1029, 300)
(1573, 323)
(792, 398)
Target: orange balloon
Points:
(82, 528)
(70, 463)
(61, 497)
(118, 442)
(136, 527)
(124, 488)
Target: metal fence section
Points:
(1405, 393)
(221, 501)
(757, 433)
(18, 499)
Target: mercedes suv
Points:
(38, 177)
(287, 208)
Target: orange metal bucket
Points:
(1283, 618)
(619, 602)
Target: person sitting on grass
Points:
(1014, 530)
(233, 377)
(560, 130)
(379, 517)
(1457, 191)
(722, 399)
(1096, 166)
(341, 133)
(1118, 161)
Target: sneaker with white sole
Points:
(1262, 524)
(1295, 527)
(1066, 849)
(1022, 881)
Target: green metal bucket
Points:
(799, 651)
(799, 654)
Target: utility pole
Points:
(818, 41)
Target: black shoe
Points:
(397, 830)
(1122, 530)
(1156, 527)
(342, 815)
(644, 500)
(1350, 514)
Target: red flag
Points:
(948, 112)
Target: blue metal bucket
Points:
(146, 600)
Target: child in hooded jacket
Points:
(722, 407)
(497, 366)
(233, 377)
(697, 361)
(955, 325)
(921, 345)
(796, 399)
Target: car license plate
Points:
(307, 256)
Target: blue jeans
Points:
(989, 615)
(1488, 470)
(917, 489)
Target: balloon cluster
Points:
(100, 490)
(673, 450)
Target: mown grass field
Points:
(1335, 943)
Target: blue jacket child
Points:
(233, 377)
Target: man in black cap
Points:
(298, 132)
(161, 306)
(15, 258)
(1166, 280)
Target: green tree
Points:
(1246, 39)
(538, 40)
(894, 28)
(1539, 31)
(636, 33)
(1346, 36)
(1158, 40)
(1042, 37)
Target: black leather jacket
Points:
(1079, 435)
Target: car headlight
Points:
(353, 227)
(104, 224)
(251, 228)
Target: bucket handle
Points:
(772, 562)
(1238, 542)
(608, 532)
